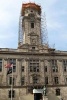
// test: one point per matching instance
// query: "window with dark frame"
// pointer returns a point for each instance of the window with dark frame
(10, 81)
(65, 68)
(54, 68)
(13, 93)
(0, 65)
(65, 65)
(46, 80)
(33, 48)
(34, 65)
(66, 80)
(45, 68)
(35, 79)
(54, 65)
(57, 92)
(22, 68)
(22, 80)
(32, 24)
(56, 81)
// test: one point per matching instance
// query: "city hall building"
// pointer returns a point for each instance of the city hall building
(35, 65)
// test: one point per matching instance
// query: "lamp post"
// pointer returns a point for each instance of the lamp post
(44, 92)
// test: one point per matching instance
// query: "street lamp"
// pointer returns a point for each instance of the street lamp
(44, 92)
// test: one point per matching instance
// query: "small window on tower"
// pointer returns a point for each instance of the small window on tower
(32, 25)
(33, 48)
(31, 10)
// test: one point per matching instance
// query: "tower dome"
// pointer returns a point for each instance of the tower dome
(30, 5)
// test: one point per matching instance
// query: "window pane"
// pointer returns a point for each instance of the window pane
(35, 79)
(45, 68)
(22, 68)
(0, 65)
(34, 65)
(32, 25)
(22, 81)
(56, 80)
(65, 65)
(54, 68)
(54, 62)
(46, 80)
(14, 68)
(13, 94)
(10, 80)
(33, 48)
(57, 92)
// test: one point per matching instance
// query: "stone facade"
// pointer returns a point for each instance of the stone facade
(34, 64)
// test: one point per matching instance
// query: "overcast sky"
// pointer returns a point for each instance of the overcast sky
(56, 20)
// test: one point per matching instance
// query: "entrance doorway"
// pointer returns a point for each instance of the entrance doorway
(37, 96)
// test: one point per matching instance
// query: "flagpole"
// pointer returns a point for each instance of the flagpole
(12, 84)
(8, 66)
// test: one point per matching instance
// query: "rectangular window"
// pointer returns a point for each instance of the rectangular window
(45, 68)
(22, 68)
(35, 79)
(10, 81)
(65, 65)
(57, 92)
(54, 65)
(32, 25)
(65, 68)
(65, 62)
(22, 80)
(55, 68)
(33, 48)
(54, 62)
(34, 65)
(66, 80)
(56, 80)
(0, 65)
(11, 94)
(37, 68)
(46, 80)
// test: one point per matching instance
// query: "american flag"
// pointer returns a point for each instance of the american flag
(9, 66)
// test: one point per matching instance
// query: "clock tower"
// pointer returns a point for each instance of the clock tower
(31, 24)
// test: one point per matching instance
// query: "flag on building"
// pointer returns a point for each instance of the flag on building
(9, 66)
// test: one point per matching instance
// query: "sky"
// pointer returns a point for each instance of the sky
(56, 22)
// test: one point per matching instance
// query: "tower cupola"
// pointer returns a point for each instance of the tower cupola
(31, 24)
